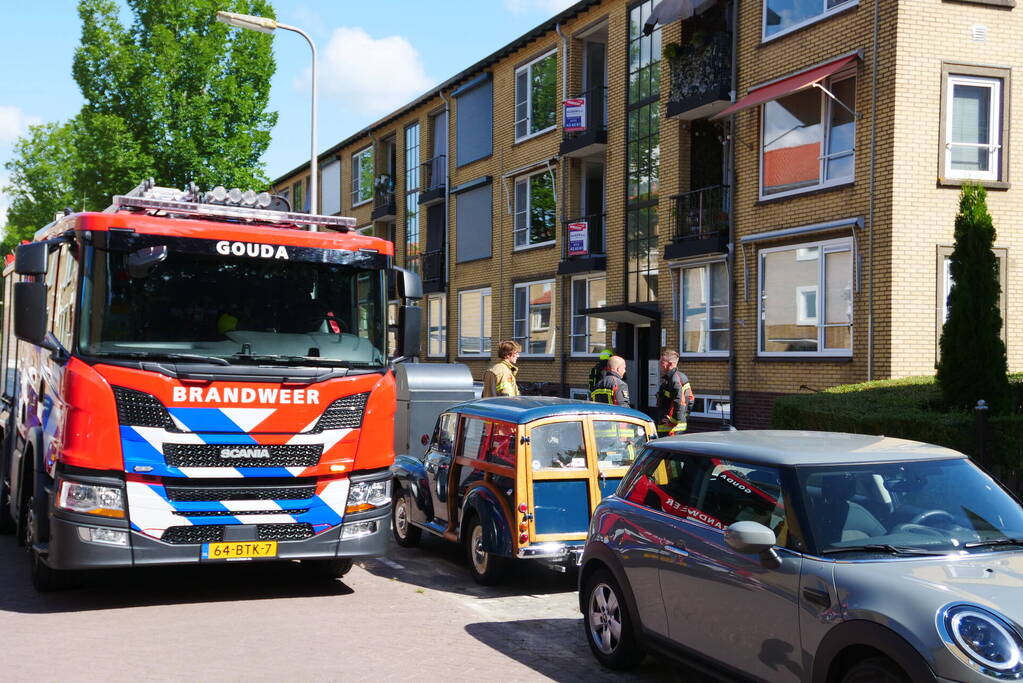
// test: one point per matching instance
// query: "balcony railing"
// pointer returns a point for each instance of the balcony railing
(435, 173)
(383, 198)
(701, 76)
(596, 111)
(700, 212)
(580, 242)
(433, 271)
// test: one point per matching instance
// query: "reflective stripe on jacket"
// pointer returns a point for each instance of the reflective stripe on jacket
(612, 390)
(499, 380)
(674, 400)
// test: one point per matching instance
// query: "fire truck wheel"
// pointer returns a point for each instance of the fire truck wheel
(44, 577)
(405, 534)
(486, 568)
(327, 570)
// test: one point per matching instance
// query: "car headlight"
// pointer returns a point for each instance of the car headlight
(366, 495)
(991, 643)
(90, 499)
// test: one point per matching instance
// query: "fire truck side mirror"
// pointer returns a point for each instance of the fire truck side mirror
(409, 284)
(30, 312)
(410, 321)
(30, 259)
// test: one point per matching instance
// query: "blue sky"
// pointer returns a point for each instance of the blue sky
(374, 57)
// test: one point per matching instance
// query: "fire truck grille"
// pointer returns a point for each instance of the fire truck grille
(232, 513)
(344, 413)
(214, 533)
(227, 455)
(194, 494)
(139, 409)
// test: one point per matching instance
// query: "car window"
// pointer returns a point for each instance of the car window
(558, 445)
(444, 434)
(729, 492)
(662, 482)
(472, 437)
(500, 448)
(618, 443)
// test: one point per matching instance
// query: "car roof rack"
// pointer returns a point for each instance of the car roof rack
(218, 203)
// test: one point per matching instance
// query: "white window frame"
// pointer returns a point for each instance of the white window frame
(527, 317)
(994, 147)
(430, 298)
(681, 308)
(526, 179)
(572, 315)
(822, 160)
(827, 12)
(528, 68)
(826, 247)
(481, 292)
(356, 167)
(706, 398)
(801, 309)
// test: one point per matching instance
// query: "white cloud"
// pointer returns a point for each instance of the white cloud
(14, 122)
(550, 7)
(371, 75)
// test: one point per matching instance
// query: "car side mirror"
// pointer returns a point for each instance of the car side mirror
(31, 259)
(30, 311)
(753, 538)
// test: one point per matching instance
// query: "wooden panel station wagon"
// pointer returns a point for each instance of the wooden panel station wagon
(516, 478)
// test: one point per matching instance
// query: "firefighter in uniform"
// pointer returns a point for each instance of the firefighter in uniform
(612, 389)
(598, 370)
(674, 397)
(499, 380)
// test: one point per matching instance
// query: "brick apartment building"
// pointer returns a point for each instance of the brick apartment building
(768, 186)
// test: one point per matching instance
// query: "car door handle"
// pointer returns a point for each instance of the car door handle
(817, 597)
(677, 551)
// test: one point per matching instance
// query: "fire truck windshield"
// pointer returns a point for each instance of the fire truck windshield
(193, 307)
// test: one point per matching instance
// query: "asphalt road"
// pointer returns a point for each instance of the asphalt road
(414, 615)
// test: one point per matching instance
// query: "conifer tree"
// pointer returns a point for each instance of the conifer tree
(973, 364)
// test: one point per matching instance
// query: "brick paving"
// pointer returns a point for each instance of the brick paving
(415, 615)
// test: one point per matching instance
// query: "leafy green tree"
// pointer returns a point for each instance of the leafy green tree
(973, 364)
(176, 94)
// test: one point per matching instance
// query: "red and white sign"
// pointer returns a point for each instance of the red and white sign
(578, 238)
(575, 114)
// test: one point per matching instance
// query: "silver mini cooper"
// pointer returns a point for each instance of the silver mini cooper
(808, 556)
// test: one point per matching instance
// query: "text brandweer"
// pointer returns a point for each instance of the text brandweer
(245, 395)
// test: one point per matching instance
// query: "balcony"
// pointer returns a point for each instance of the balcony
(582, 245)
(700, 222)
(435, 179)
(701, 75)
(384, 208)
(434, 278)
(591, 139)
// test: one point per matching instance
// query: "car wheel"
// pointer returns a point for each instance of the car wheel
(609, 630)
(486, 568)
(327, 570)
(405, 534)
(875, 670)
(45, 578)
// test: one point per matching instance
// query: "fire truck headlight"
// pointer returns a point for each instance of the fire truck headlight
(90, 499)
(366, 495)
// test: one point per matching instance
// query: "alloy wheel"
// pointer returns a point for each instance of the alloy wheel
(605, 618)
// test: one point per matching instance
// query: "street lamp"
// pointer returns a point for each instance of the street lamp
(265, 25)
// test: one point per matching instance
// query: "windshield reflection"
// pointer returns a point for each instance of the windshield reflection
(194, 306)
(938, 506)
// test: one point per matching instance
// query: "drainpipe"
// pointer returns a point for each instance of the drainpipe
(566, 321)
(873, 177)
(730, 178)
(447, 225)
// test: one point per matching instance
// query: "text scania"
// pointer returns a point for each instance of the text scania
(251, 250)
(246, 395)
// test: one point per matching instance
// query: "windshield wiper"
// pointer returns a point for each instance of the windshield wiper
(190, 357)
(882, 548)
(297, 360)
(994, 542)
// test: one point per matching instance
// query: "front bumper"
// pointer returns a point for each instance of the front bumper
(560, 553)
(67, 550)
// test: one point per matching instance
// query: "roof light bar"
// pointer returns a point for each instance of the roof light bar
(226, 211)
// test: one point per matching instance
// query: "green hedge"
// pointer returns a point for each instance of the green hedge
(906, 408)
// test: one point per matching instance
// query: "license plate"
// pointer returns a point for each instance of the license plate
(234, 551)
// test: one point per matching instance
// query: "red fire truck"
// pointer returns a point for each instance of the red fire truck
(199, 377)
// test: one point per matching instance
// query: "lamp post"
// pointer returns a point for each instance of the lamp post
(265, 25)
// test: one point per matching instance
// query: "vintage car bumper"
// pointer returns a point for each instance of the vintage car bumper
(551, 552)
